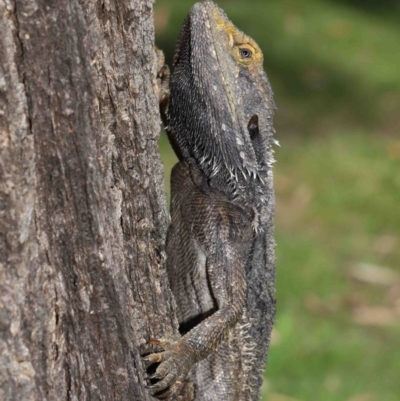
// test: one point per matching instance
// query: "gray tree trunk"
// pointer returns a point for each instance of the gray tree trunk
(82, 205)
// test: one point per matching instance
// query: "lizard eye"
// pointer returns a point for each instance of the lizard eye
(245, 53)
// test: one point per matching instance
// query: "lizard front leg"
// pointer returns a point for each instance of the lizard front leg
(226, 273)
(222, 231)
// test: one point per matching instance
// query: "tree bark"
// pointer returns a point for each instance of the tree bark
(82, 205)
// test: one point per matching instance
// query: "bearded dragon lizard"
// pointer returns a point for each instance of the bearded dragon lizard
(220, 245)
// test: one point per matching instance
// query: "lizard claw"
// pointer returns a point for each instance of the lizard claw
(162, 342)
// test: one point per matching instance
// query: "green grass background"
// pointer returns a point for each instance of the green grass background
(335, 70)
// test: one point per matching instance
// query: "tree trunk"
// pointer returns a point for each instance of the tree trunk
(82, 206)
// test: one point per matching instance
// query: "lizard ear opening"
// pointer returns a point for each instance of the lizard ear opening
(252, 126)
(255, 137)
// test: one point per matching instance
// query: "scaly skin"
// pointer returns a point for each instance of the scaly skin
(220, 246)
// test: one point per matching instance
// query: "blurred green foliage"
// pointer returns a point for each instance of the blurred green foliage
(335, 70)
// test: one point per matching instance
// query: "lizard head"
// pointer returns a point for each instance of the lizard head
(221, 103)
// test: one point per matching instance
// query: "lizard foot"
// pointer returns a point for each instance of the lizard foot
(174, 363)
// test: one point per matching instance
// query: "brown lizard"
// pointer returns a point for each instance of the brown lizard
(220, 245)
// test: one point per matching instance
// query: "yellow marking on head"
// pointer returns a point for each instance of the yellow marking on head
(224, 24)
(231, 40)
(239, 42)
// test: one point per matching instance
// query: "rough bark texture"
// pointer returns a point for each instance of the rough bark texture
(82, 205)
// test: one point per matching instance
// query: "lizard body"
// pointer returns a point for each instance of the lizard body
(220, 245)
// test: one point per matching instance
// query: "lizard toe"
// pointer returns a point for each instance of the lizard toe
(161, 372)
(163, 384)
(149, 360)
